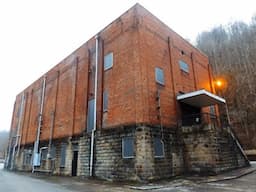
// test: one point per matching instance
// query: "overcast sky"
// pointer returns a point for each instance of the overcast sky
(36, 34)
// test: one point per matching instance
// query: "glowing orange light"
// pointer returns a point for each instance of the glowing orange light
(219, 83)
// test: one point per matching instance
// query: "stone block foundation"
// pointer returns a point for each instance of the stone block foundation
(155, 153)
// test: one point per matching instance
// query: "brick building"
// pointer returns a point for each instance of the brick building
(135, 102)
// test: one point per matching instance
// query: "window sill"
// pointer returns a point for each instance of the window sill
(159, 83)
(108, 68)
(158, 157)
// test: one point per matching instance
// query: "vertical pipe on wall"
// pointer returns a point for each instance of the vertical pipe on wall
(8, 159)
(51, 134)
(20, 121)
(102, 79)
(88, 85)
(17, 137)
(40, 119)
(193, 69)
(171, 60)
(74, 88)
(23, 128)
(29, 114)
(210, 78)
(95, 106)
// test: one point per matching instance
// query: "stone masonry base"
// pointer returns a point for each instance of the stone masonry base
(190, 150)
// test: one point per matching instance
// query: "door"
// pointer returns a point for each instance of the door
(74, 163)
(190, 115)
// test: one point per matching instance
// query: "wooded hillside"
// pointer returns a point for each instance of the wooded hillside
(4, 136)
(232, 53)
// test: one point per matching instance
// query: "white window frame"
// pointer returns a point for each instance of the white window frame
(156, 76)
(106, 57)
(186, 70)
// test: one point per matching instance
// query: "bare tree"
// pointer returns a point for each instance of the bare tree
(232, 54)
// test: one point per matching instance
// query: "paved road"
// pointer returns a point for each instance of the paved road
(11, 182)
(18, 182)
(27, 182)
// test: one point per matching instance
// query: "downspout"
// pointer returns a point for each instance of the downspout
(40, 118)
(20, 127)
(51, 134)
(95, 107)
(17, 137)
(7, 162)
(193, 69)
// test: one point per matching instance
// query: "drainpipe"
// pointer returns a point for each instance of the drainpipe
(17, 137)
(20, 118)
(40, 118)
(51, 133)
(95, 106)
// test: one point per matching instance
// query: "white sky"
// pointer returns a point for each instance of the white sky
(37, 34)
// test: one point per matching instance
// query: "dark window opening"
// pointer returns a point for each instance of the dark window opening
(128, 147)
(158, 147)
(105, 101)
(90, 115)
(63, 155)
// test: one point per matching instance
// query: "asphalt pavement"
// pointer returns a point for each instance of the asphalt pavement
(12, 182)
(242, 180)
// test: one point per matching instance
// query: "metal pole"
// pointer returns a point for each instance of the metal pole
(95, 106)
(227, 112)
(21, 113)
(51, 133)
(36, 144)
(18, 133)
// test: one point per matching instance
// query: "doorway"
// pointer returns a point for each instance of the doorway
(190, 114)
(74, 163)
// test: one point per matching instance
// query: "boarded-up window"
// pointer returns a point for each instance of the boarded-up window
(159, 74)
(128, 147)
(105, 101)
(90, 115)
(63, 155)
(108, 61)
(158, 147)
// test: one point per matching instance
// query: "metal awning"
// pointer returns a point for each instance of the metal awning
(201, 98)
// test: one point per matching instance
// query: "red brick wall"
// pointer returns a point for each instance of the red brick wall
(139, 42)
(163, 48)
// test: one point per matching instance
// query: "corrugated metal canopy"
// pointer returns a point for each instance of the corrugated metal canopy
(201, 98)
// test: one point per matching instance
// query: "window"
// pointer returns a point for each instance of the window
(63, 154)
(108, 61)
(184, 66)
(52, 152)
(159, 73)
(212, 110)
(128, 147)
(44, 154)
(105, 101)
(27, 157)
(90, 115)
(158, 147)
